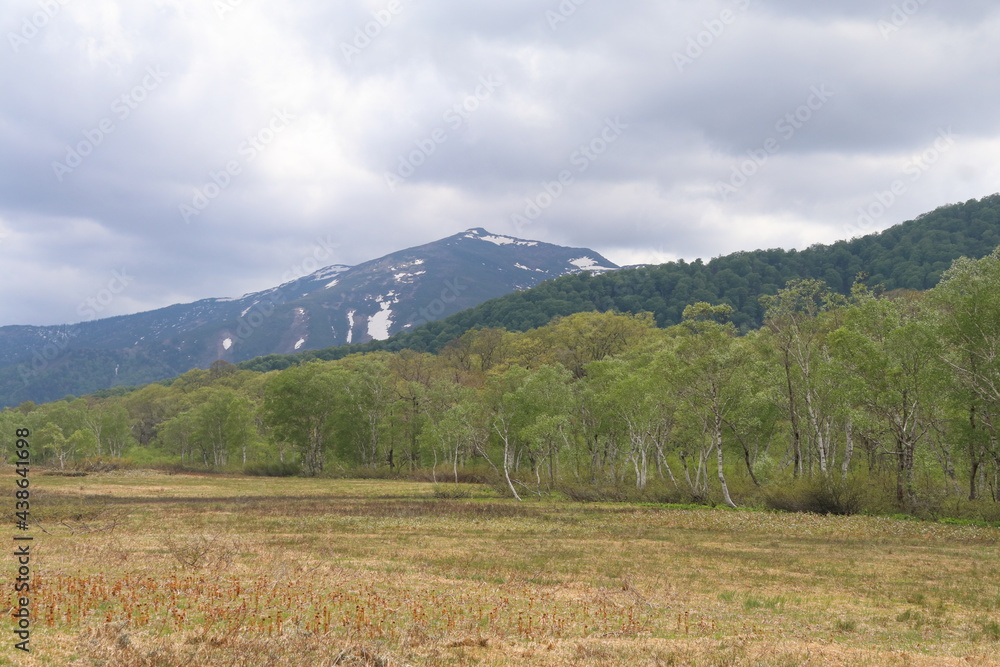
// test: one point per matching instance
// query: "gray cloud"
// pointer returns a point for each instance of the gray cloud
(487, 106)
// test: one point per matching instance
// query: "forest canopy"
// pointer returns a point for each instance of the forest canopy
(872, 400)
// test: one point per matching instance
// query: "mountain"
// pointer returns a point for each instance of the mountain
(333, 306)
(911, 255)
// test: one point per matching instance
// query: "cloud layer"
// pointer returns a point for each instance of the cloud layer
(205, 148)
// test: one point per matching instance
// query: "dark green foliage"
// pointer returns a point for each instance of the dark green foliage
(272, 469)
(909, 256)
(657, 494)
(820, 495)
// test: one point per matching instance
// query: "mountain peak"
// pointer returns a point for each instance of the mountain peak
(330, 306)
(480, 234)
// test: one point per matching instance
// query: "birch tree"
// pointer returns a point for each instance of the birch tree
(967, 302)
(892, 363)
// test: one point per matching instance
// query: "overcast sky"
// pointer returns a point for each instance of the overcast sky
(162, 151)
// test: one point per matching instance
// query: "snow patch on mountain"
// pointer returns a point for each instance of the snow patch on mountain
(329, 272)
(300, 343)
(405, 277)
(589, 264)
(481, 235)
(228, 343)
(522, 266)
(379, 323)
(506, 240)
(391, 297)
(350, 325)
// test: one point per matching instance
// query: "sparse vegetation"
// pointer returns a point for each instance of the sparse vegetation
(188, 569)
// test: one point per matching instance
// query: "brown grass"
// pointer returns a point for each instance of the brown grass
(146, 569)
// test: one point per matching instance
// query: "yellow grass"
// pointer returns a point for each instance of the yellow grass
(149, 569)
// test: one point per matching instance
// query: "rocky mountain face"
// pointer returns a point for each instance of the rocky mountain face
(332, 306)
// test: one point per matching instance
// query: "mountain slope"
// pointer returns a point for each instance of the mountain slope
(911, 255)
(333, 306)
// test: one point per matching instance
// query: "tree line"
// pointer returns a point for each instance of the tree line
(912, 255)
(878, 399)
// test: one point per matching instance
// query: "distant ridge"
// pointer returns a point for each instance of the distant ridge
(332, 306)
(911, 255)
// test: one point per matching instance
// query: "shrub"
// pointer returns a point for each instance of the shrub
(272, 469)
(452, 491)
(656, 493)
(817, 495)
(383, 472)
(102, 464)
(446, 474)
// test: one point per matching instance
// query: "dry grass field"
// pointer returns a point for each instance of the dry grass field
(152, 569)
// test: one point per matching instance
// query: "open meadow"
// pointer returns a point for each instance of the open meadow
(155, 569)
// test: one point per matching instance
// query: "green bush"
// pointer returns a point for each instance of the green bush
(446, 474)
(273, 469)
(362, 472)
(818, 495)
(103, 464)
(655, 493)
(452, 491)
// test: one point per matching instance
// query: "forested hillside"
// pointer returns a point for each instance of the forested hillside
(912, 255)
(327, 306)
(837, 403)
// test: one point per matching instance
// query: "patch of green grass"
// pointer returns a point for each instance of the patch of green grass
(991, 630)
(776, 603)
(846, 625)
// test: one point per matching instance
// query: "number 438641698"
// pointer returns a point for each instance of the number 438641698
(23, 461)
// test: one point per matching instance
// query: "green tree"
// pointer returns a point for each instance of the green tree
(54, 443)
(223, 425)
(457, 425)
(708, 372)
(893, 373)
(634, 393)
(968, 306)
(369, 398)
(300, 405)
(109, 422)
(798, 318)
